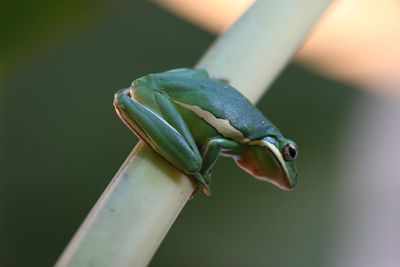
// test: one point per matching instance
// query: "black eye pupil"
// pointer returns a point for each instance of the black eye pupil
(292, 152)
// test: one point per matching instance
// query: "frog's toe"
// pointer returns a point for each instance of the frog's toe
(204, 182)
(207, 190)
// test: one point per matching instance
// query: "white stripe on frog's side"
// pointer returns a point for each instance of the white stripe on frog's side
(222, 126)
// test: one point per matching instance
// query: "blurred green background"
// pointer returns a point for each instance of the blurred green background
(61, 141)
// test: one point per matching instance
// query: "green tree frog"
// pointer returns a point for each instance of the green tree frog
(190, 119)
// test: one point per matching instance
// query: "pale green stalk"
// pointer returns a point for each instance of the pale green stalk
(135, 212)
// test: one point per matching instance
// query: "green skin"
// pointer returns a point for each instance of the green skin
(190, 119)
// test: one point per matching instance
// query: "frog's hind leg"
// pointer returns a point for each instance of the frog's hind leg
(119, 107)
(163, 107)
(157, 122)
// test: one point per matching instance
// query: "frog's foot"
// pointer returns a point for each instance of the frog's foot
(203, 182)
(206, 191)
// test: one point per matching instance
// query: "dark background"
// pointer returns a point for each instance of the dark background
(61, 141)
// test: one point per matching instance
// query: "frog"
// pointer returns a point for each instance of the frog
(191, 119)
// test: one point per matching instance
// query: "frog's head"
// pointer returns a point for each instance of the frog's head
(271, 159)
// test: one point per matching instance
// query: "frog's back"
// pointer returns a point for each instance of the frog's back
(222, 100)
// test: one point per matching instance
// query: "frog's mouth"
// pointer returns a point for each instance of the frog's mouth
(264, 161)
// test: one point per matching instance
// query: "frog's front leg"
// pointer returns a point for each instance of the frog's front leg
(213, 148)
(160, 125)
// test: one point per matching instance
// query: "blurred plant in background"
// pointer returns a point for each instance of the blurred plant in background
(61, 142)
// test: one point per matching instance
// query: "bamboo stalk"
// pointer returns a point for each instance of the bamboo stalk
(135, 212)
(256, 48)
(130, 219)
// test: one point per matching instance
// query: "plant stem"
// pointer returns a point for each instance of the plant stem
(135, 212)
(257, 47)
(130, 219)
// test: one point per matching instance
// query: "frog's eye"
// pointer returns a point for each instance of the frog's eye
(289, 152)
